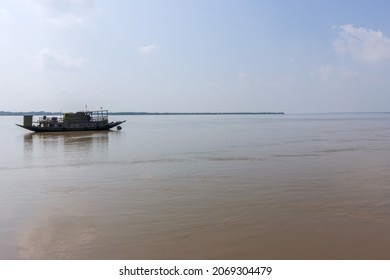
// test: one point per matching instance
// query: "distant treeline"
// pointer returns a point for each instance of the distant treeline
(39, 113)
(197, 113)
(42, 113)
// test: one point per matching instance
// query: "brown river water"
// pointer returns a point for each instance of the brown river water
(199, 187)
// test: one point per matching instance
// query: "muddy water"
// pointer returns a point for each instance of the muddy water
(199, 187)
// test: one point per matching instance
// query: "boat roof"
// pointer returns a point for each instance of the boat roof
(89, 112)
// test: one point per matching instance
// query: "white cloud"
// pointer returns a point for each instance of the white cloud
(67, 20)
(243, 76)
(362, 44)
(247, 83)
(55, 60)
(4, 14)
(68, 6)
(330, 73)
(147, 49)
(64, 12)
(214, 87)
(324, 73)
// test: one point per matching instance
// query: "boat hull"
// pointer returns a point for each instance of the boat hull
(63, 128)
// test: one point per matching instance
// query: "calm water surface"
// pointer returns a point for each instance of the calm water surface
(199, 187)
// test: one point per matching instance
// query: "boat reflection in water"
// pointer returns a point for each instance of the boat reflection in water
(79, 138)
(66, 147)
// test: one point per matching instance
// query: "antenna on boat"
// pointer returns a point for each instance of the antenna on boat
(86, 110)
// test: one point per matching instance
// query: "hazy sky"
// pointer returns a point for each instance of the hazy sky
(195, 56)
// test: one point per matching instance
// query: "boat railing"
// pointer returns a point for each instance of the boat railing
(99, 119)
(45, 119)
(60, 120)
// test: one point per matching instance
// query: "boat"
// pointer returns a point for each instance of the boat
(79, 121)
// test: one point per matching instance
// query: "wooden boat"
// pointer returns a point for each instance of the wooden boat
(79, 121)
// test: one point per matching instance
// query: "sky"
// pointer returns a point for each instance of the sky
(298, 56)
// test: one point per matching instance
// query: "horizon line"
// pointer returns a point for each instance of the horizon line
(21, 113)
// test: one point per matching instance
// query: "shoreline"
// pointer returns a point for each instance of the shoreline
(42, 113)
